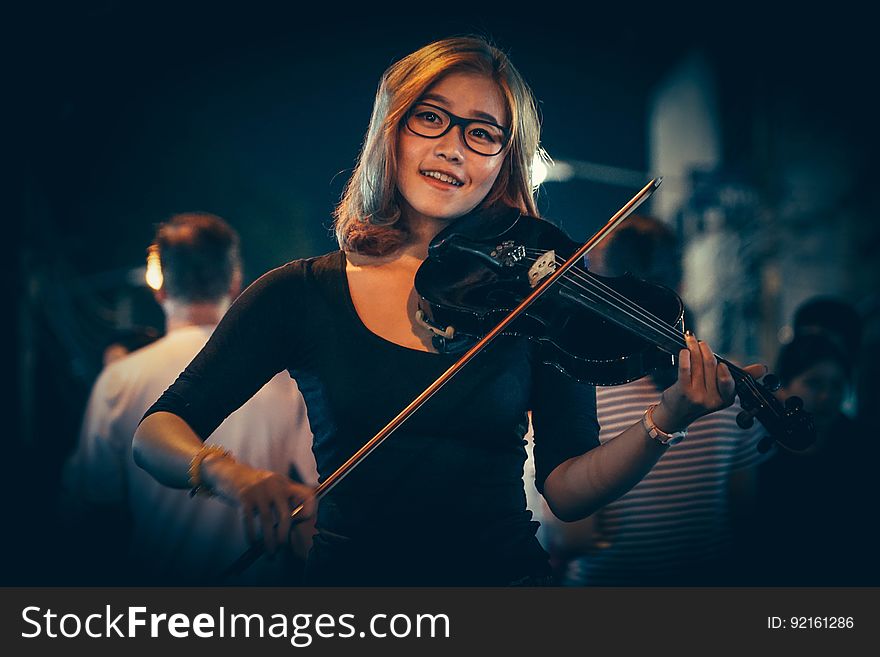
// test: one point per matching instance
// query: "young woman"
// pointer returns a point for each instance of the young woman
(454, 129)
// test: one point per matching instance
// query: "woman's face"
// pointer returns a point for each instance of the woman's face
(467, 95)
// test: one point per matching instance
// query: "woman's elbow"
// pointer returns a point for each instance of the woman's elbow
(146, 438)
(138, 446)
(568, 513)
(565, 504)
(564, 508)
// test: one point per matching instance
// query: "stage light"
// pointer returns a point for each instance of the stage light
(153, 276)
(539, 170)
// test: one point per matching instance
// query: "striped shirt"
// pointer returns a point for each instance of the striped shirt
(675, 523)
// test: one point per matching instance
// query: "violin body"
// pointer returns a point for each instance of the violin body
(478, 270)
(604, 331)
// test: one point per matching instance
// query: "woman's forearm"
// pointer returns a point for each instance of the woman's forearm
(586, 483)
(164, 445)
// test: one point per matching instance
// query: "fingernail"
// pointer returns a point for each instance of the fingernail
(688, 333)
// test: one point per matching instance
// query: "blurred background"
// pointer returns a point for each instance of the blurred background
(124, 114)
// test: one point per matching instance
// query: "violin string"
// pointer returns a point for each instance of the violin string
(628, 306)
(633, 310)
(648, 319)
(620, 302)
(625, 304)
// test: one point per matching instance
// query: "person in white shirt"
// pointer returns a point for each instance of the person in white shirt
(175, 538)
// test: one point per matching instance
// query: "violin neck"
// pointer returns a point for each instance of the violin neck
(666, 338)
(672, 345)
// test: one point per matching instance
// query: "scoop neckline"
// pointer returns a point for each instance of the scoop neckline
(349, 303)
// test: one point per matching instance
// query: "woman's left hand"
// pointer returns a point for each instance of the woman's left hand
(704, 386)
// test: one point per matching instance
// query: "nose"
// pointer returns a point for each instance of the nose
(451, 146)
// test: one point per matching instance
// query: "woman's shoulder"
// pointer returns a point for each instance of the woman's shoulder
(295, 272)
(290, 285)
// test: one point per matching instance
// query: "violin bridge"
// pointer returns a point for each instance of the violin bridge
(543, 267)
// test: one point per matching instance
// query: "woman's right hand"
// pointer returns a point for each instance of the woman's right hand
(266, 499)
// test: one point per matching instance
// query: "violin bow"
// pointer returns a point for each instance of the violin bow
(258, 548)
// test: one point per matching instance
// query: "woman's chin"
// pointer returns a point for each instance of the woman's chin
(441, 216)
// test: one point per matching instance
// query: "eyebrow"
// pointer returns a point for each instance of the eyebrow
(477, 114)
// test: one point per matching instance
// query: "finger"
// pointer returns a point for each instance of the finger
(267, 526)
(684, 367)
(310, 505)
(757, 370)
(303, 505)
(247, 517)
(299, 511)
(726, 384)
(698, 381)
(305, 496)
(710, 362)
(282, 503)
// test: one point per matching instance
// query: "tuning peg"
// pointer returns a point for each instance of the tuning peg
(794, 404)
(745, 419)
(771, 382)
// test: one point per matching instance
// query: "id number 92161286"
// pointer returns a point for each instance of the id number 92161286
(810, 623)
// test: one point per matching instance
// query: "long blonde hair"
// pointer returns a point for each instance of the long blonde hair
(367, 219)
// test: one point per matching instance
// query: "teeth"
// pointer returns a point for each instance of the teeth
(442, 177)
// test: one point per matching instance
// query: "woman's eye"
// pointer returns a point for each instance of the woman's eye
(428, 117)
(482, 135)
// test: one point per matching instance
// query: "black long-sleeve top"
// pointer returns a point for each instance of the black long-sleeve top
(441, 501)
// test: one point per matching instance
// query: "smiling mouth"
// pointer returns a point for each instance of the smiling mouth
(442, 177)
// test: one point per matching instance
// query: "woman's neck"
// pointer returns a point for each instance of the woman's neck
(421, 230)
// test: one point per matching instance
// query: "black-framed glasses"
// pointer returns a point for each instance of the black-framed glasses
(432, 122)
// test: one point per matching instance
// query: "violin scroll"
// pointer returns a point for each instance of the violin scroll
(788, 423)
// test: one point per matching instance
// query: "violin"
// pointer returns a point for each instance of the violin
(598, 330)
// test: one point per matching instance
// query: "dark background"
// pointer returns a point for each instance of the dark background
(125, 113)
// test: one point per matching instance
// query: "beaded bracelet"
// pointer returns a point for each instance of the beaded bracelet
(197, 486)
